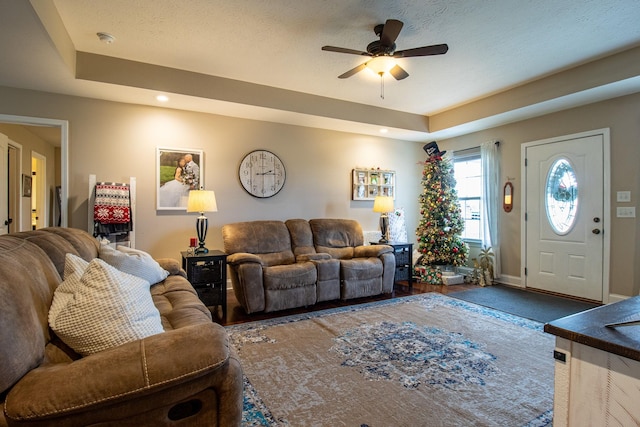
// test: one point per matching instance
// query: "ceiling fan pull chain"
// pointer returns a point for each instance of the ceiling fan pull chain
(382, 85)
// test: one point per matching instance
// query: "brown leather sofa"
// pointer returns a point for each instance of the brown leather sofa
(277, 265)
(186, 375)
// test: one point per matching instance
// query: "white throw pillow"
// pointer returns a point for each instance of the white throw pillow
(74, 268)
(98, 307)
(74, 265)
(133, 261)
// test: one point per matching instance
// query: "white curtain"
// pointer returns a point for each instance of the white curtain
(491, 200)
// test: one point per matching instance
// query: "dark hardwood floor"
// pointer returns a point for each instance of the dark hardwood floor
(235, 313)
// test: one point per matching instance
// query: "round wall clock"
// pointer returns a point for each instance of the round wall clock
(262, 173)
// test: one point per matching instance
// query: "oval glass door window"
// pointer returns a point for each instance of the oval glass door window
(561, 196)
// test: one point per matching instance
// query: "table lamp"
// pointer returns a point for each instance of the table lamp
(202, 201)
(383, 205)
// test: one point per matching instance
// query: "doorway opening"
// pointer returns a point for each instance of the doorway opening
(39, 192)
(14, 185)
(13, 182)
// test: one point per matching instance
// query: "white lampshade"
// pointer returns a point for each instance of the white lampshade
(202, 201)
(383, 204)
(381, 64)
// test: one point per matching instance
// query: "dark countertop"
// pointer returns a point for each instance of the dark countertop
(588, 328)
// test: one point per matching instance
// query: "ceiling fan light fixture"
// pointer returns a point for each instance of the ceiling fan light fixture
(381, 64)
(383, 52)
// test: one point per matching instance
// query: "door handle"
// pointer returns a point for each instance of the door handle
(596, 231)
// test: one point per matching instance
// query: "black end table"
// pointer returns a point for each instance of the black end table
(404, 261)
(208, 275)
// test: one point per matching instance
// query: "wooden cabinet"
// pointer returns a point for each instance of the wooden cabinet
(594, 387)
(597, 368)
(366, 184)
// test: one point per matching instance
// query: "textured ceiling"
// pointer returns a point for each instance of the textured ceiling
(494, 45)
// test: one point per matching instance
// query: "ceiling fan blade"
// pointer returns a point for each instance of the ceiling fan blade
(352, 71)
(398, 72)
(390, 32)
(345, 50)
(436, 49)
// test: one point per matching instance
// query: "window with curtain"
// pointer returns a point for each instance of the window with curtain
(468, 173)
(477, 173)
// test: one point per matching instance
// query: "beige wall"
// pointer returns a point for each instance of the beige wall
(115, 141)
(620, 115)
(30, 142)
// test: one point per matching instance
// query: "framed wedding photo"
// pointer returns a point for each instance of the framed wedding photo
(179, 170)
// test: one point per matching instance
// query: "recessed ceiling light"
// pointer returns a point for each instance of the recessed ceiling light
(106, 37)
(384, 130)
(162, 98)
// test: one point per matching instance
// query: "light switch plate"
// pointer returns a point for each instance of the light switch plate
(626, 212)
(623, 196)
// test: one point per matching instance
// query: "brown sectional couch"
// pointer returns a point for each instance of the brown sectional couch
(186, 375)
(276, 265)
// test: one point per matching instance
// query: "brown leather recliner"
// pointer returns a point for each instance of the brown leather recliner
(365, 270)
(264, 272)
(187, 375)
(276, 265)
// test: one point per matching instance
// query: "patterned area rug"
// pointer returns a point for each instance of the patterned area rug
(425, 360)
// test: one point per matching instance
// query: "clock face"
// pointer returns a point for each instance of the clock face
(262, 173)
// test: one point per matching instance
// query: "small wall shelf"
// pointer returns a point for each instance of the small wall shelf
(366, 184)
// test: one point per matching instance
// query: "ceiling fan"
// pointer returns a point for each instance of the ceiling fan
(386, 47)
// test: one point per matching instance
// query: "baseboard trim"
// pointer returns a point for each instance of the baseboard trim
(617, 298)
(515, 281)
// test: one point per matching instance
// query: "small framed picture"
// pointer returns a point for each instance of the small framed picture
(179, 171)
(26, 185)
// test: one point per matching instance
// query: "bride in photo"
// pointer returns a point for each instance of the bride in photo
(174, 193)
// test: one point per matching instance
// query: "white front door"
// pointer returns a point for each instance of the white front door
(564, 215)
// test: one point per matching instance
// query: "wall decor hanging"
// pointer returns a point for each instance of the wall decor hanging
(179, 170)
(26, 185)
(366, 184)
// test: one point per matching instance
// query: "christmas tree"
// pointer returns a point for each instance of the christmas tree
(439, 229)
